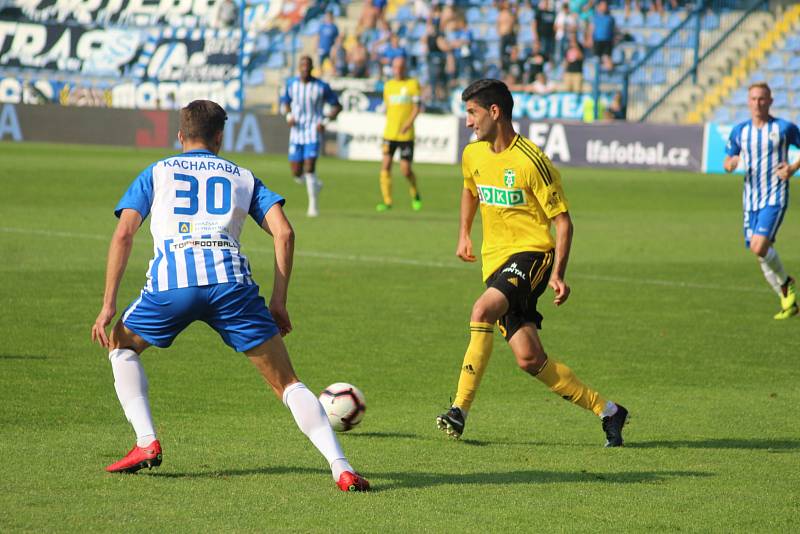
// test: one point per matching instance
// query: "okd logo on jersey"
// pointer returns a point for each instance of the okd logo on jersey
(497, 196)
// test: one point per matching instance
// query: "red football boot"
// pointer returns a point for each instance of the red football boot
(352, 482)
(138, 458)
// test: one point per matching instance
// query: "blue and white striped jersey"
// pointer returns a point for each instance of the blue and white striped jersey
(761, 150)
(307, 101)
(198, 202)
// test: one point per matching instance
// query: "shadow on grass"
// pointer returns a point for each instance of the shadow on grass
(783, 444)
(392, 435)
(394, 480)
(21, 357)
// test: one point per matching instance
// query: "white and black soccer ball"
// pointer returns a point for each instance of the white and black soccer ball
(345, 405)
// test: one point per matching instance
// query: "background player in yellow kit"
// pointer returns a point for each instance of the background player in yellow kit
(519, 192)
(401, 99)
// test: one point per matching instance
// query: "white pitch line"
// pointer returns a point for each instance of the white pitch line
(392, 260)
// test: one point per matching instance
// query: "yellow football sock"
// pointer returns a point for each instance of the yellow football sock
(386, 187)
(475, 361)
(412, 185)
(562, 381)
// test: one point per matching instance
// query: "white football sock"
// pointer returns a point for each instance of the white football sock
(773, 271)
(313, 422)
(312, 188)
(609, 409)
(130, 382)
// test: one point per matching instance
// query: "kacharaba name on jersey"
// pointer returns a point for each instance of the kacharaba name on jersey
(200, 164)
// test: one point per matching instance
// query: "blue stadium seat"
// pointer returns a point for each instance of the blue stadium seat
(474, 16)
(710, 21)
(674, 20)
(525, 34)
(793, 43)
(654, 39)
(675, 58)
(492, 50)
(490, 33)
(653, 20)
(775, 61)
(636, 20)
(777, 82)
(417, 32)
(525, 16)
(794, 63)
(739, 97)
(491, 15)
(404, 14)
(721, 114)
(780, 99)
(276, 60)
(311, 27)
(795, 83)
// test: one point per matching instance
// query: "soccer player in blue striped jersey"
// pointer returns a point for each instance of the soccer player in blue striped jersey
(198, 203)
(303, 101)
(762, 144)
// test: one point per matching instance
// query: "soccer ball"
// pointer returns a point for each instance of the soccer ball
(345, 405)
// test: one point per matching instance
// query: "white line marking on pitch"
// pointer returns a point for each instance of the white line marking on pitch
(358, 258)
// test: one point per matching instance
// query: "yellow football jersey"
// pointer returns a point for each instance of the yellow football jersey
(520, 192)
(399, 97)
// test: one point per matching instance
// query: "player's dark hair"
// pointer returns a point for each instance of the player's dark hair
(488, 92)
(202, 120)
(306, 58)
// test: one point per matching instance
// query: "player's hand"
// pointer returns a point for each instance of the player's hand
(405, 129)
(464, 250)
(281, 316)
(784, 171)
(561, 290)
(730, 163)
(99, 327)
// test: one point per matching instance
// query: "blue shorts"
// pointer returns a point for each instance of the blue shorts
(301, 152)
(765, 221)
(236, 311)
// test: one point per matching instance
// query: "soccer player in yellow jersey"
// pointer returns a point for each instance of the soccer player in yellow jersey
(519, 193)
(401, 98)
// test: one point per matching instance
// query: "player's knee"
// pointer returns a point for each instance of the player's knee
(533, 362)
(759, 247)
(482, 313)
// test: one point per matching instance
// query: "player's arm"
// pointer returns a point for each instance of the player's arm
(564, 230)
(118, 253)
(730, 163)
(469, 206)
(415, 110)
(732, 150)
(277, 225)
(786, 170)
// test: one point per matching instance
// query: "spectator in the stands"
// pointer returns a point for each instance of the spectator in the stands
(541, 85)
(358, 60)
(602, 33)
(422, 9)
(391, 51)
(615, 111)
(537, 62)
(566, 24)
(459, 55)
(371, 13)
(585, 10)
(436, 48)
(514, 66)
(338, 56)
(544, 27)
(328, 33)
(573, 66)
(506, 28)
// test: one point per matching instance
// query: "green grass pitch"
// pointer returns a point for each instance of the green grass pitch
(669, 315)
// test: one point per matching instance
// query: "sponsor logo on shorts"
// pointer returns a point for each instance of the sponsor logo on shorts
(514, 281)
(513, 269)
(498, 196)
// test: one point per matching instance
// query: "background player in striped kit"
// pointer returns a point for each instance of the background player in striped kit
(519, 193)
(303, 102)
(198, 203)
(762, 143)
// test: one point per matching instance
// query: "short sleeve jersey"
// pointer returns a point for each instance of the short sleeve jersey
(762, 150)
(400, 97)
(307, 101)
(520, 192)
(197, 203)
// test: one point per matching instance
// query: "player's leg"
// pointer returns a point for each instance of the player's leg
(241, 317)
(386, 176)
(296, 162)
(153, 319)
(406, 157)
(491, 305)
(761, 229)
(561, 380)
(313, 184)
